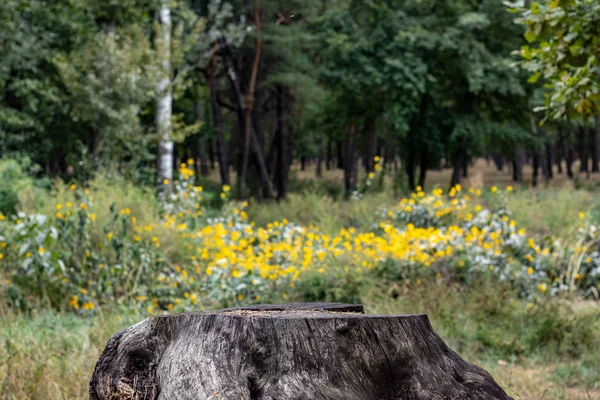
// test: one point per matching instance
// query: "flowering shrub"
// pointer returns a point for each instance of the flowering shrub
(73, 260)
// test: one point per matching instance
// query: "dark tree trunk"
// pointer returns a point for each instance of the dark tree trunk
(350, 161)
(409, 167)
(582, 150)
(371, 146)
(535, 165)
(499, 161)
(218, 124)
(211, 153)
(518, 161)
(329, 154)
(458, 163)
(202, 154)
(281, 143)
(302, 163)
(286, 352)
(569, 162)
(246, 126)
(548, 173)
(340, 154)
(595, 145)
(423, 165)
(559, 151)
(319, 172)
(290, 144)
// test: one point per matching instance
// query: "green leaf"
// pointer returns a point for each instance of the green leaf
(534, 78)
(530, 35)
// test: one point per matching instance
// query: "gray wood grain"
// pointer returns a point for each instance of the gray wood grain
(322, 351)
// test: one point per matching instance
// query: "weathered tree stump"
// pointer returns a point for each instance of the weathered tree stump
(324, 351)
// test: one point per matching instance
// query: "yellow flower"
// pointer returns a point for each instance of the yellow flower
(92, 217)
(1, 256)
(69, 204)
(83, 206)
(494, 189)
(371, 175)
(150, 309)
(581, 215)
(542, 287)
(165, 181)
(59, 215)
(530, 271)
(109, 236)
(88, 306)
(376, 158)
(41, 250)
(223, 195)
(59, 206)
(74, 302)
(190, 161)
(72, 187)
(509, 189)
(83, 291)
(226, 188)
(240, 297)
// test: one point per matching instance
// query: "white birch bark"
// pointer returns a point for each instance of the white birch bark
(164, 101)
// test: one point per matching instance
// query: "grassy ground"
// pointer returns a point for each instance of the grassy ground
(534, 351)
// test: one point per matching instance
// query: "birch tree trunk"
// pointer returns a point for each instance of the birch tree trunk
(164, 101)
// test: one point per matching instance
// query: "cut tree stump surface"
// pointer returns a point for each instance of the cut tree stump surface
(321, 351)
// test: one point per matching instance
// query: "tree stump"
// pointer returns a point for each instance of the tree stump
(312, 351)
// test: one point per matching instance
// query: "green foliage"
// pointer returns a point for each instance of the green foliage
(563, 49)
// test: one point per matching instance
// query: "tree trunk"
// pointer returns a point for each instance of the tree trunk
(595, 145)
(242, 119)
(559, 151)
(409, 167)
(340, 155)
(350, 161)
(499, 161)
(535, 165)
(548, 173)
(202, 154)
(582, 150)
(569, 162)
(281, 142)
(218, 124)
(371, 146)
(518, 161)
(329, 154)
(423, 165)
(323, 351)
(458, 164)
(211, 153)
(302, 163)
(319, 172)
(164, 101)
(250, 103)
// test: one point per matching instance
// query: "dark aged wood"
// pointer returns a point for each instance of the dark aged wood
(320, 351)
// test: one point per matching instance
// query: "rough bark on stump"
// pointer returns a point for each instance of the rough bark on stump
(311, 351)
